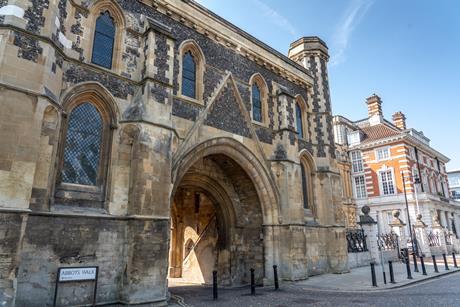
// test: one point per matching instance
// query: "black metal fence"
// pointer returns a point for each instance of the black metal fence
(388, 241)
(433, 239)
(356, 240)
(449, 237)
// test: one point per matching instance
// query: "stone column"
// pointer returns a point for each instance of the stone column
(422, 237)
(369, 225)
(439, 230)
(397, 226)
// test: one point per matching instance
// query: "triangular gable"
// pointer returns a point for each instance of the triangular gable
(226, 111)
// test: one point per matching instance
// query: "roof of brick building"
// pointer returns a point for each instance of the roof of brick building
(378, 132)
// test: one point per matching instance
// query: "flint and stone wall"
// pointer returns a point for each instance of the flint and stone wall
(45, 62)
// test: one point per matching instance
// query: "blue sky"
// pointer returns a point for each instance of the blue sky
(404, 51)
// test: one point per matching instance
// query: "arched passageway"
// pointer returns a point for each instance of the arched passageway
(216, 224)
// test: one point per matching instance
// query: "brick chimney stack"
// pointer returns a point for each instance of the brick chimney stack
(374, 106)
(399, 120)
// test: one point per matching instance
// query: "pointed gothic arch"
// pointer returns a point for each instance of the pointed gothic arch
(308, 182)
(191, 81)
(112, 10)
(259, 99)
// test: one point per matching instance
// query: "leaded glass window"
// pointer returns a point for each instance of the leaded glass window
(104, 39)
(298, 116)
(304, 186)
(82, 149)
(256, 104)
(189, 75)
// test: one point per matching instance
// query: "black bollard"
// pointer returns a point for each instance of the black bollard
(423, 266)
(414, 256)
(374, 279)
(392, 276)
(253, 283)
(409, 273)
(435, 264)
(275, 276)
(455, 260)
(446, 266)
(214, 285)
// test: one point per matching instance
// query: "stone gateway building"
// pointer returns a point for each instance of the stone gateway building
(156, 140)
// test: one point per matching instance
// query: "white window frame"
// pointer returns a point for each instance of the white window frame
(356, 158)
(393, 182)
(377, 158)
(361, 189)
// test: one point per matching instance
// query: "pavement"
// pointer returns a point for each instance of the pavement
(349, 289)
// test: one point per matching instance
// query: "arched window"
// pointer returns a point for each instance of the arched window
(298, 118)
(305, 187)
(307, 182)
(189, 75)
(82, 149)
(104, 40)
(256, 103)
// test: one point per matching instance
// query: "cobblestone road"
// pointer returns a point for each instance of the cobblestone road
(443, 291)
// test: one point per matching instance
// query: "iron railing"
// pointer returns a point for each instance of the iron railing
(448, 235)
(433, 239)
(388, 241)
(356, 240)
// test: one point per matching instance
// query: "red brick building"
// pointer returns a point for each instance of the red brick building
(381, 154)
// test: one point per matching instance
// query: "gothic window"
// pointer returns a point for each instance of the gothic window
(256, 103)
(82, 149)
(189, 75)
(299, 123)
(104, 40)
(304, 187)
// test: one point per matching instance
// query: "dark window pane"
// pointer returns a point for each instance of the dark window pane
(189, 75)
(104, 38)
(304, 187)
(256, 104)
(298, 116)
(83, 146)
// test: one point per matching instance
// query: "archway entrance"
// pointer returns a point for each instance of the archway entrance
(216, 224)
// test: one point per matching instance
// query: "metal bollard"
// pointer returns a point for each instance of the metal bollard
(435, 264)
(392, 276)
(446, 266)
(423, 266)
(253, 283)
(409, 273)
(414, 256)
(275, 276)
(374, 279)
(455, 260)
(214, 285)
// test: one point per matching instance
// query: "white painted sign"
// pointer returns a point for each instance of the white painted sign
(76, 274)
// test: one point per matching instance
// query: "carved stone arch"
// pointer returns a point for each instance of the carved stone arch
(116, 12)
(258, 173)
(258, 79)
(97, 94)
(97, 194)
(192, 46)
(255, 189)
(307, 163)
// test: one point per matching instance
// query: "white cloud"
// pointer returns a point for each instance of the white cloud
(276, 18)
(351, 18)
